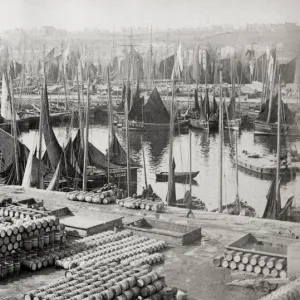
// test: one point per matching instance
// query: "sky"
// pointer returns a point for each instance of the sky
(109, 14)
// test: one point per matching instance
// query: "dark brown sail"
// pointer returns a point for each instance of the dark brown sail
(54, 150)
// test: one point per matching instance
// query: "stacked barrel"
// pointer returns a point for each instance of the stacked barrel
(29, 239)
(290, 291)
(113, 281)
(96, 196)
(122, 247)
(141, 204)
(109, 266)
(249, 262)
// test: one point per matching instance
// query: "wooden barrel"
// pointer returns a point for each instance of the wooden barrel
(254, 259)
(17, 266)
(106, 200)
(28, 244)
(262, 261)
(3, 270)
(41, 241)
(46, 239)
(218, 260)
(34, 242)
(271, 263)
(274, 273)
(249, 268)
(241, 266)
(9, 231)
(10, 268)
(229, 255)
(57, 237)
(257, 269)
(96, 199)
(282, 274)
(280, 264)
(238, 257)
(232, 265)
(89, 197)
(266, 271)
(29, 264)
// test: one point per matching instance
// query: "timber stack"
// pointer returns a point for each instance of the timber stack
(250, 262)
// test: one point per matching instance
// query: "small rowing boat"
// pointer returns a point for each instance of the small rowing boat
(178, 176)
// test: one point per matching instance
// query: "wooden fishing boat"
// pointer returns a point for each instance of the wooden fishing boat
(141, 126)
(178, 176)
(233, 124)
(264, 128)
(210, 125)
(199, 124)
(264, 166)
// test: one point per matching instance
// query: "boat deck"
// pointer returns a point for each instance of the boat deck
(265, 165)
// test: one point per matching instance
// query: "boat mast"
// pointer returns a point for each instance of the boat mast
(126, 124)
(64, 77)
(86, 140)
(109, 125)
(271, 91)
(14, 125)
(278, 201)
(221, 144)
(170, 199)
(78, 97)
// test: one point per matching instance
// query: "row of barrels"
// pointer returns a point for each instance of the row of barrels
(259, 264)
(109, 282)
(20, 226)
(17, 236)
(116, 253)
(21, 212)
(100, 250)
(87, 245)
(151, 259)
(104, 197)
(290, 291)
(40, 241)
(141, 204)
(32, 260)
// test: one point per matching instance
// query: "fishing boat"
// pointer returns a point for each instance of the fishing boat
(266, 122)
(273, 209)
(264, 166)
(230, 121)
(178, 176)
(151, 114)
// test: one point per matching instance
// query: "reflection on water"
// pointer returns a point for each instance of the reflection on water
(205, 158)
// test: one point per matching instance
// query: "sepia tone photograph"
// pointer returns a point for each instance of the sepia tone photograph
(149, 150)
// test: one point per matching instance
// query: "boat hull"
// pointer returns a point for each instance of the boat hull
(140, 126)
(179, 176)
(204, 125)
(263, 128)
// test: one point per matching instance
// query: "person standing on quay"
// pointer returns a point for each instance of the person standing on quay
(189, 203)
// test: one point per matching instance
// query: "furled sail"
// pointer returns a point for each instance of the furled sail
(206, 108)
(27, 177)
(53, 148)
(231, 109)
(197, 107)
(171, 194)
(271, 206)
(53, 185)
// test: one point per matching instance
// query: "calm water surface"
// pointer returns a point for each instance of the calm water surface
(205, 159)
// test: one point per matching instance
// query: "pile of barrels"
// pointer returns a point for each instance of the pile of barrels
(106, 282)
(96, 196)
(29, 239)
(249, 262)
(122, 247)
(146, 204)
(290, 291)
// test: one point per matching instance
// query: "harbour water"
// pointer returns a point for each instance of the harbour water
(205, 159)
